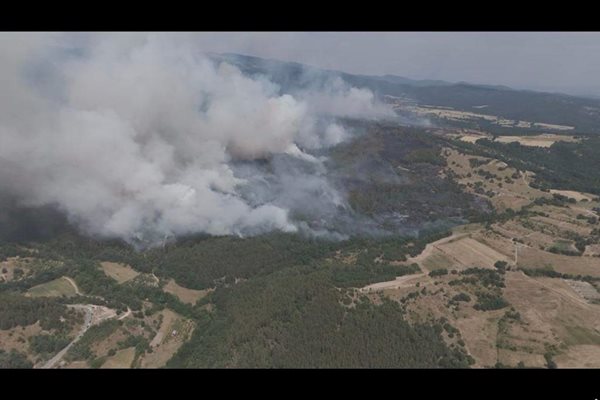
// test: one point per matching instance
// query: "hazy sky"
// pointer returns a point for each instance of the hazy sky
(555, 61)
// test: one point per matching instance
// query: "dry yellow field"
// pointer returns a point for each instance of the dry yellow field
(438, 260)
(119, 272)
(468, 252)
(545, 140)
(579, 356)
(122, 359)
(473, 138)
(534, 258)
(186, 295)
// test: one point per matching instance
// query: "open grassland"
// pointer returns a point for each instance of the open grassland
(119, 272)
(472, 253)
(186, 295)
(438, 260)
(574, 265)
(56, 288)
(122, 359)
(545, 140)
(579, 356)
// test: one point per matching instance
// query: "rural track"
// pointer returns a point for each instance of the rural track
(72, 282)
(433, 245)
(402, 281)
(127, 314)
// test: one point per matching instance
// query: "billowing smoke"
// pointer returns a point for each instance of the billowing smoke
(142, 137)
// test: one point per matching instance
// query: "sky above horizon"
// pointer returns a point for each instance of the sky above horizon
(566, 62)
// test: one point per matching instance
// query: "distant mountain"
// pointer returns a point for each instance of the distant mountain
(551, 108)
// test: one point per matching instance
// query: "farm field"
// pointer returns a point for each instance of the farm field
(189, 296)
(545, 140)
(173, 332)
(122, 359)
(119, 272)
(56, 288)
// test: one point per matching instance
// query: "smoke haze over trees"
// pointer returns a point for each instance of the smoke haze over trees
(142, 137)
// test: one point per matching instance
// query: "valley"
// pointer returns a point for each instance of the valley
(342, 221)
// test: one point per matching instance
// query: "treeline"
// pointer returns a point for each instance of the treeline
(200, 262)
(97, 286)
(369, 167)
(194, 262)
(14, 359)
(293, 318)
(550, 273)
(48, 344)
(361, 274)
(570, 166)
(17, 310)
(82, 349)
(375, 256)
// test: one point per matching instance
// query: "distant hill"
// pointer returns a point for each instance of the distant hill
(552, 108)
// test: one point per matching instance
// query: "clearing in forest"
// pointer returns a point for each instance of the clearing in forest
(186, 295)
(119, 272)
(56, 288)
(122, 359)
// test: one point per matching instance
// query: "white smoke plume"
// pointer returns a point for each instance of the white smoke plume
(135, 136)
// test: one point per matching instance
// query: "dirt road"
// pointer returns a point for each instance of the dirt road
(408, 280)
(401, 281)
(433, 245)
(72, 282)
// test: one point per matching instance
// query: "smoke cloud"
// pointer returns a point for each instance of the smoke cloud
(141, 137)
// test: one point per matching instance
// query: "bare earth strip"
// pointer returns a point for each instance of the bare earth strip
(546, 140)
(401, 281)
